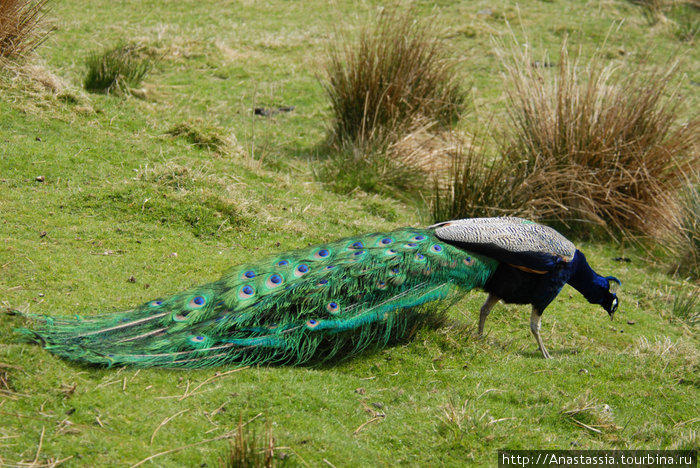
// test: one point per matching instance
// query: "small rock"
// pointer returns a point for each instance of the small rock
(174, 254)
(38, 138)
(41, 294)
(42, 234)
(583, 371)
(131, 279)
(378, 405)
(631, 322)
(360, 391)
(40, 178)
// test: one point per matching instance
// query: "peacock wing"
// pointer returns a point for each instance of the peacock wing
(511, 240)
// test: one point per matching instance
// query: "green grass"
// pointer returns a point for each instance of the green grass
(122, 196)
(117, 70)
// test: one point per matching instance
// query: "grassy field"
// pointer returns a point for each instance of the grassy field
(108, 201)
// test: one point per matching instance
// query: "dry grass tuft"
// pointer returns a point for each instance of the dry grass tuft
(247, 451)
(479, 182)
(588, 413)
(395, 71)
(602, 152)
(604, 147)
(21, 28)
(663, 351)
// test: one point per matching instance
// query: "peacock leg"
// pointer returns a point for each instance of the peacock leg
(535, 318)
(486, 310)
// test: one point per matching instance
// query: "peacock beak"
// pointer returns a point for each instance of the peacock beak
(613, 308)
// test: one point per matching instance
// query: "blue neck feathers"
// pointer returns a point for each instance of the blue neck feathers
(594, 287)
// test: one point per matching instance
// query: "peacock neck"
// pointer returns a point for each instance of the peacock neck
(586, 281)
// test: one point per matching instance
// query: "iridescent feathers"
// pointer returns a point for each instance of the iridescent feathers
(296, 307)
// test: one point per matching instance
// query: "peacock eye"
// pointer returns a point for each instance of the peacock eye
(436, 248)
(357, 245)
(197, 302)
(282, 263)
(274, 280)
(312, 323)
(419, 238)
(387, 240)
(246, 292)
(249, 274)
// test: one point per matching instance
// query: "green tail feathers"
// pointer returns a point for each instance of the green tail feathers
(303, 305)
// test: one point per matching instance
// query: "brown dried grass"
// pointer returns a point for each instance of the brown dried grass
(608, 147)
(587, 149)
(396, 70)
(21, 26)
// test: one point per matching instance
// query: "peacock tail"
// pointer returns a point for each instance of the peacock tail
(303, 305)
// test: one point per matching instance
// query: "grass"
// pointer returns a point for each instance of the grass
(607, 150)
(687, 242)
(247, 450)
(22, 27)
(122, 197)
(396, 71)
(392, 83)
(581, 153)
(117, 70)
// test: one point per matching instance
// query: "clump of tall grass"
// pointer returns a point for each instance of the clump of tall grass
(653, 10)
(247, 451)
(682, 15)
(687, 243)
(395, 71)
(686, 18)
(393, 90)
(605, 146)
(21, 26)
(686, 306)
(117, 70)
(605, 151)
(479, 182)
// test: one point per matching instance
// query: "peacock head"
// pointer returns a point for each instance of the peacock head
(610, 301)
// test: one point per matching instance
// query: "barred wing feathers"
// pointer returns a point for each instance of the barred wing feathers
(511, 240)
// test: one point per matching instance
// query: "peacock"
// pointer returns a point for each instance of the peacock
(334, 299)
